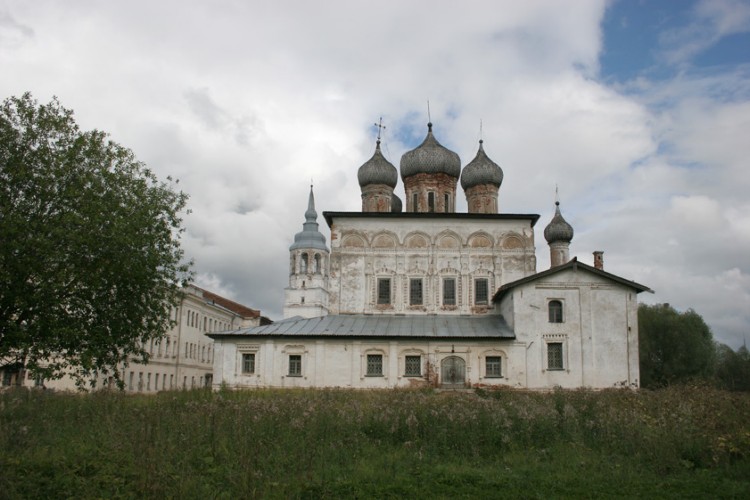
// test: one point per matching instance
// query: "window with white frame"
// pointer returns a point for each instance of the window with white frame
(555, 356)
(374, 365)
(248, 362)
(384, 291)
(413, 366)
(449, 291)
(295, 365)
(493, 366)
(481, 291)
(415, 292)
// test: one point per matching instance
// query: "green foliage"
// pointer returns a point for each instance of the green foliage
(676, 442)
(733, 368)
(90, 261)
(674, 347)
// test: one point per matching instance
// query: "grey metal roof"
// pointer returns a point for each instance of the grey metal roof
(430, 157)
(377, 170)
(558, 229)
(572, 264)
(329, 216)
(310, 237)
(481, 170)
(382, 325)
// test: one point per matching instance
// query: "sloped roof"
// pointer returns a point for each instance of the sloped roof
(244, 311)
(572, 264)
(382, 326)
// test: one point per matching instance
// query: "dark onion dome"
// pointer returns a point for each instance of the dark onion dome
(396, 205)
(481, 170)
(558, 230)
(310, 237)
(377, 170)
(430, 157)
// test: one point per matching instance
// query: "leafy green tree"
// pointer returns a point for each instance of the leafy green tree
(90, 259)
(674, 347)
(733, 368)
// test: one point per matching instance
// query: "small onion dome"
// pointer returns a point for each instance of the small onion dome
(558, 230)
(377, 170)
(396, 205)
(430, 157)
(481, 170)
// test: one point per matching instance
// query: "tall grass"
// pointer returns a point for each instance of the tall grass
(333, 443)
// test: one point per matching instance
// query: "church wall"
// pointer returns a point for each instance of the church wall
(598, 334)
(342, 362)
(366, 249)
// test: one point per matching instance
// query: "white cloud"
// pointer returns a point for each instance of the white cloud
(246, 102)
(711, 21)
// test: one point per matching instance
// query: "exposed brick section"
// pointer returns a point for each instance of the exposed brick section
(376, 198)
(482, 199)
(422, 184)
(599, 260)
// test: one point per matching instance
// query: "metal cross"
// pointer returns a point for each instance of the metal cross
(380, 126)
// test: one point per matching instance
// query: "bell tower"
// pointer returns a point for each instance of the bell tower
(307, 293)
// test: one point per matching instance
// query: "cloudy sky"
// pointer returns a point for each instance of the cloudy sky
(638, 110)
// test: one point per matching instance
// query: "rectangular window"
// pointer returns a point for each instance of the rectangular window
(374, 365)
(295, 365)
(430, 202)
(415, 203)
(481, 288)
(449, 291)
(248, 363)
(493, 366)
(415, 291)
(384, 291)
(413, 366)
(447, 203)
(555, 356)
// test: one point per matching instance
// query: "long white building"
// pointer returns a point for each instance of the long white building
(428, 296)
(182, 359)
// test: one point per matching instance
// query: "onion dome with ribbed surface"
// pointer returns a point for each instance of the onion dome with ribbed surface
(310, 237)
(558, 230)
(481, 170)
(430, 157)
(396, 205)
(377, 170)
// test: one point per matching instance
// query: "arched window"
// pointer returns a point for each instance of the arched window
(555, 311)
(303, 263)
(316, 268)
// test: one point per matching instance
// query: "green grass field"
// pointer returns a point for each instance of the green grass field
(674, 443)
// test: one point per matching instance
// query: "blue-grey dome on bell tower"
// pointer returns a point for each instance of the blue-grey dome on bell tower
(310, 236)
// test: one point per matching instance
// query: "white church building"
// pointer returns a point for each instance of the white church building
(426, 296)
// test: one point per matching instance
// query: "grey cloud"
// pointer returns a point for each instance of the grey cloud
(13, 33)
